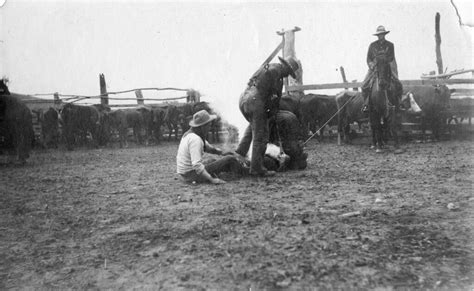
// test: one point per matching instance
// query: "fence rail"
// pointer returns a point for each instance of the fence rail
(404, 82)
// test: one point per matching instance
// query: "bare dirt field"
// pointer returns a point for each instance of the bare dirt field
(120, 219)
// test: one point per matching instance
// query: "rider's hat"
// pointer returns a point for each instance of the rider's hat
(381, 30)
(291, 63)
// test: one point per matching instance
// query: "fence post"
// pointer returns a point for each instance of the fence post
(56, 101)
(104, 97)
(289, 51)
(139, 95)
(343, 75)
(355, 88)
(439, 59)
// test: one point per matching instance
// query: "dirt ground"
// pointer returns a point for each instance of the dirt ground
(120, 219)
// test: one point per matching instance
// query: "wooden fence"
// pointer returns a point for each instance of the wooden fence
(404, 82)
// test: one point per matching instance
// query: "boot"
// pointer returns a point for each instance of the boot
(365, 97)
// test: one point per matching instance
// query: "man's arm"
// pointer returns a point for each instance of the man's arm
(208, 148)
(370, 57)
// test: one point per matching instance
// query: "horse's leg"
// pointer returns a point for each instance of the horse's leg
(376, 131)
(347, 136)
(396, 129)
(339, 128)
(423, 128)
(321, 133)
(372, 132)
(176, 130)
(379, 137)
(170, 131)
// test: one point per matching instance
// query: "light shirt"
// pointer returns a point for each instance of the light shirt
(190, 153)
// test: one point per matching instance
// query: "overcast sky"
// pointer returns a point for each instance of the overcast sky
(214, 47)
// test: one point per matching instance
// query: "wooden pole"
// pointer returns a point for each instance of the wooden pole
(139, 95)
(289, 51)
(343, 75)
(439, 60)
(104, 97)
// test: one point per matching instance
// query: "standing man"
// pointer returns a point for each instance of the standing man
(258, 103)
(380, 48)
(193, 144)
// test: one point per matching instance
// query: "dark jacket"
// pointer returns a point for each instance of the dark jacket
(380, 49)
(269, 84)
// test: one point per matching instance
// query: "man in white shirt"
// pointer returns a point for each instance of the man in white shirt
(193, 144)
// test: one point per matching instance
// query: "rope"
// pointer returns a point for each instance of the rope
(334, 115)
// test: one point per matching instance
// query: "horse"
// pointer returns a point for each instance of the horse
(384, 106)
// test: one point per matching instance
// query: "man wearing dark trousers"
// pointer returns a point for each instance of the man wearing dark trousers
(257, 104)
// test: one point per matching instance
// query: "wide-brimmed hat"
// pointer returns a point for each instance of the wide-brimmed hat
(291, 63)
(201, 118)
(381, 30)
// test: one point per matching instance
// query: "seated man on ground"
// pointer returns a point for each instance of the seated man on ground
(189, 160)
(285, 128)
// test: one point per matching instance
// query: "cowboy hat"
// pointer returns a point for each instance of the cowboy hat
(291, 63)
(381, 30)
(201, 118)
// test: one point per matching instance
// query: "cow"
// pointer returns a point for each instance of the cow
(316, 110)
(158, 119)
(118, 122)
(434, 103)
(16, 126)
(349, 105)
(78, 122)
(103, 129)
(215, 124)
(185, 115)
(49, 122)
(147, 122)
(135, 120)
(291, 102)
(172, 120)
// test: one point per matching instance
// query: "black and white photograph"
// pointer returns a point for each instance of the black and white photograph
(236, 145)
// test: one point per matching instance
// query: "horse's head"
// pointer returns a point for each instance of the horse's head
(383, 72)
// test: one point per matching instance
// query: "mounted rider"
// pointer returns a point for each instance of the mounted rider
(379, 49)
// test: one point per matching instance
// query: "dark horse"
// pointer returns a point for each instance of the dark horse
(384, 105)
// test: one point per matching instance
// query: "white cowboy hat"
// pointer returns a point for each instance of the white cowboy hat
(201, 118)
(381, 30)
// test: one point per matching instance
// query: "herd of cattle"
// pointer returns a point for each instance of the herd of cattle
(97, 125)
(100, 125)
(424, 104)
